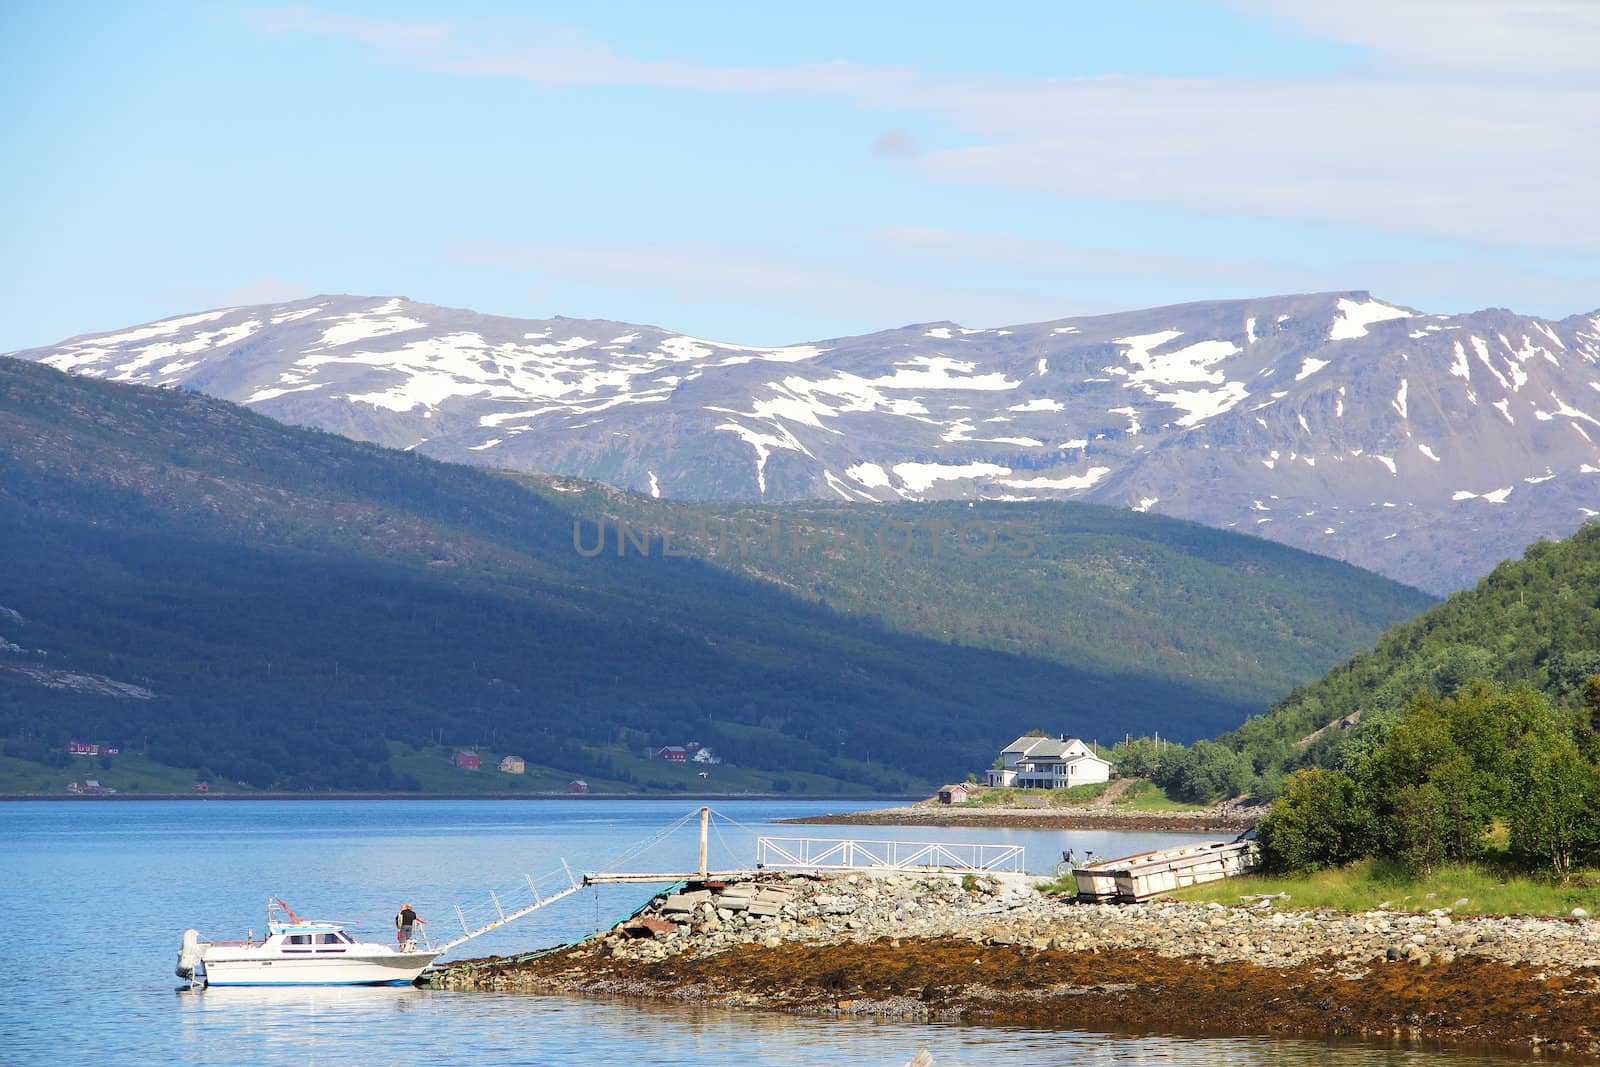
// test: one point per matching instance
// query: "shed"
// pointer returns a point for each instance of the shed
(953, 794)
(467, 761)
(578, 785)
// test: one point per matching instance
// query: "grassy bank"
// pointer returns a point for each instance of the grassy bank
(1466, 889)
(1137, 794)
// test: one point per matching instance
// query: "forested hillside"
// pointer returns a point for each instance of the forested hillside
(1095, 587)
(284, 607)
(1533, 621)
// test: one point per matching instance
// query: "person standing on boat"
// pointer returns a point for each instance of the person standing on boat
(404, 920)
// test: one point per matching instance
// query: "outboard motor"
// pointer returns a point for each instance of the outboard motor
(189, 956)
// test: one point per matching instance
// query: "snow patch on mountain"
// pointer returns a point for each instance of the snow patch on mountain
(1354, 317)
(1309, 366)
(1086, 480)
(1037, 404)
(919, 477)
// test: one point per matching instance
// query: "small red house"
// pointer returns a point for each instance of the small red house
(674, 753)
(467, 761)
(953, 794)
(578, 785)
(201, 787)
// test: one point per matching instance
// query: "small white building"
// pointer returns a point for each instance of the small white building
(1048, 763)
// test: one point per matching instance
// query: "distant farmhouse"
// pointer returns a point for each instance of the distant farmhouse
(513, 765)
(1048, 763)
(693, 751)
(467, 761)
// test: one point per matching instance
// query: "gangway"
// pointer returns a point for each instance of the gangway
(511, 902)
(508, 903)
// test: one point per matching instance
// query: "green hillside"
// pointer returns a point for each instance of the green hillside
(1098, 588)
(1534, 622)
(219, 593)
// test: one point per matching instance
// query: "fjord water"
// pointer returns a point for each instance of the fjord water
(97, 894)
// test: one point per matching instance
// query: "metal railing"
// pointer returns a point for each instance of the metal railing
(831, 854)
(510, 902)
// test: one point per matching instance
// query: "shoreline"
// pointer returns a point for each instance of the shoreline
(1222, 819)
(554, 795)
(995, 951)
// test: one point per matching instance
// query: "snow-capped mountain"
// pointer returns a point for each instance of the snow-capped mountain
(1426, 447)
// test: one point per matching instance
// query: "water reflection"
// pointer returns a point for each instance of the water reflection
(97, 896)
(424, 1027)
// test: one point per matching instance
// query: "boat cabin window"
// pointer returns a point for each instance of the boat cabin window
(297, 939)
(332, 939)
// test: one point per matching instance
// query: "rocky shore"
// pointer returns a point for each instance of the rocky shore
(1229, 816)
(998, 950)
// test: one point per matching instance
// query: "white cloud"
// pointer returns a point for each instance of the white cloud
(1470, 120)
(1478, 36)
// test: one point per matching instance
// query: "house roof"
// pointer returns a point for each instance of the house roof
(1035, 758)
(1041, 747)
(1050, 748)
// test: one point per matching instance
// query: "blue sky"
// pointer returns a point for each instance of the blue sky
(766, 175)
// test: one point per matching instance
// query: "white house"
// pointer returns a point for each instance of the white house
(1048, 763)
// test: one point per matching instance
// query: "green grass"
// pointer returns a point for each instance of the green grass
(1144, 795)
(1371, 884)
(1008, 797)
(435, 772)
(1140, 795)
(129, 773)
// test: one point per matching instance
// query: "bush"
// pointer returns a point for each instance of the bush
(1316, 823)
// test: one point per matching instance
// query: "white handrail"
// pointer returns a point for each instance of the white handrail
(827, 853)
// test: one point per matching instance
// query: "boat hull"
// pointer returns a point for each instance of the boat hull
(246, 968)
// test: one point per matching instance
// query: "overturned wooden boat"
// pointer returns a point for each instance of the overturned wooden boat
(1148, 874)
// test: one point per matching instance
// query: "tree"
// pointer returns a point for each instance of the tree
(1554, 793)
(1429, 800)
(1137, 757)
(1316, 823)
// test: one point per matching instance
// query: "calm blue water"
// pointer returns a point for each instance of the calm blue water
(96, 896)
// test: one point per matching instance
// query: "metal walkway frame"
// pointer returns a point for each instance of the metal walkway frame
(512, 902)
(834, 854)
(508, 903)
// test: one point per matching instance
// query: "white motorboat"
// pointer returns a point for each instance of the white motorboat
(300, 951)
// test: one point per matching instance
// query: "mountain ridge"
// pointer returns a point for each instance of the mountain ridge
(296, 604)
(1426, 447)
